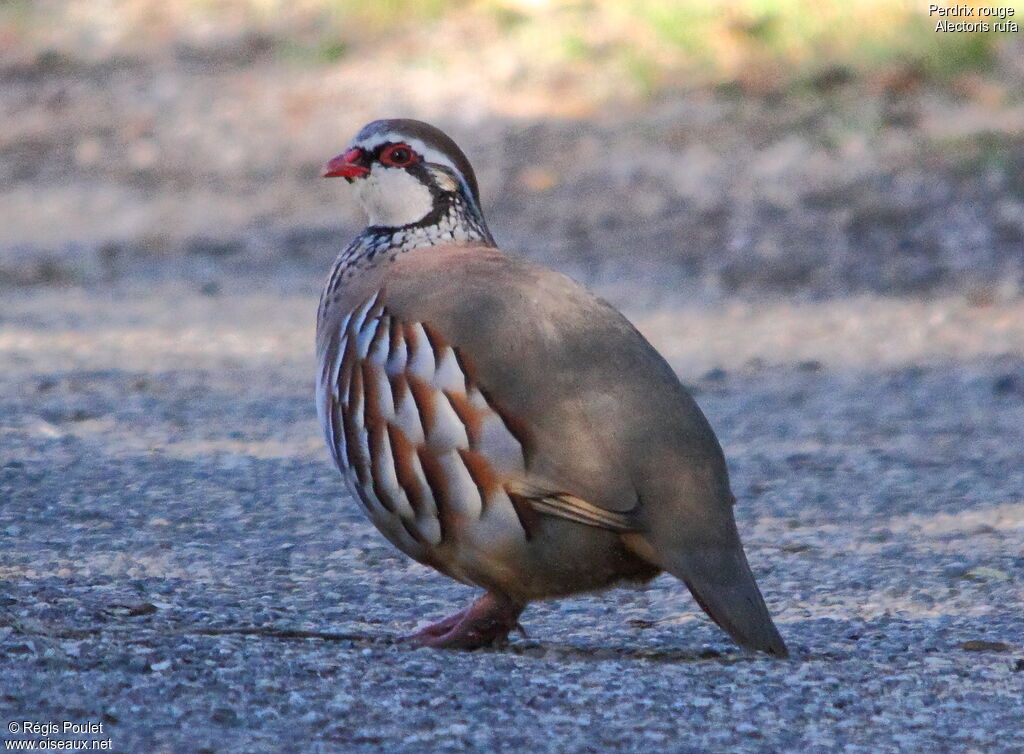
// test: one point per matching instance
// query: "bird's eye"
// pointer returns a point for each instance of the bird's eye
(397, 155)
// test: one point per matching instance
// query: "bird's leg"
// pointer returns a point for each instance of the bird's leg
(436, 629)
(489, 619)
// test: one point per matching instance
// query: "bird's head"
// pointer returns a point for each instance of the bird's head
(408, 173)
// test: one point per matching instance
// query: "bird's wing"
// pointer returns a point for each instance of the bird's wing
(595, 409)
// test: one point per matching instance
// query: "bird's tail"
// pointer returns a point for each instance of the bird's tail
(721, 581)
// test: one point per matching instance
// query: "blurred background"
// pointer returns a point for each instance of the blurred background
(673, 147)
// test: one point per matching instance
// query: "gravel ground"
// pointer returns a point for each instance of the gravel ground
(179, 562)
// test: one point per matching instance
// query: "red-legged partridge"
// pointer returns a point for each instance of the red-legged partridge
(502, 424)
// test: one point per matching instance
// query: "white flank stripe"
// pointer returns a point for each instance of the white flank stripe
(421, 362)
(463, 493)
(339, 441)
(343, 327)
(396, 533)
(357, 316)
(363, 459)
(331, 378)
(498, 444)
(407, 418)
(365, 336)
(499, 529)
(332, 382)
(388, 479)
(447, 375)
(397, 358)
(424, 489)
(381, 388)
(448, 431)
(477, 401)
(378, 353)
(429, 528)
(376, 509)
(353, 402)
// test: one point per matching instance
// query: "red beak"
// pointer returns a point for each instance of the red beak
(345, 165)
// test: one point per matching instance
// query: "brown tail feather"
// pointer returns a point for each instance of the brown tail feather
(721, 582)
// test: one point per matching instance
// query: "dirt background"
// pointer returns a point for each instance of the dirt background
(834, 263)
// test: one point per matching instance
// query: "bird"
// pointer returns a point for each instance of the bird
(500, 423)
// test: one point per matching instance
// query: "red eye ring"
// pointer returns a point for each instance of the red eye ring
(398, 156)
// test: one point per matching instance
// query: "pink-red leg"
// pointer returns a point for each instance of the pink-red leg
(437, 629)
(488, 620)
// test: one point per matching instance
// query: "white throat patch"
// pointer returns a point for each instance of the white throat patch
(392, 197)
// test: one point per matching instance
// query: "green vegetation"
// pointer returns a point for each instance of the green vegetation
(646, 45)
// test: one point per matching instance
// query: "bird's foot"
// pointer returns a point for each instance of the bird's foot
(488, 620)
